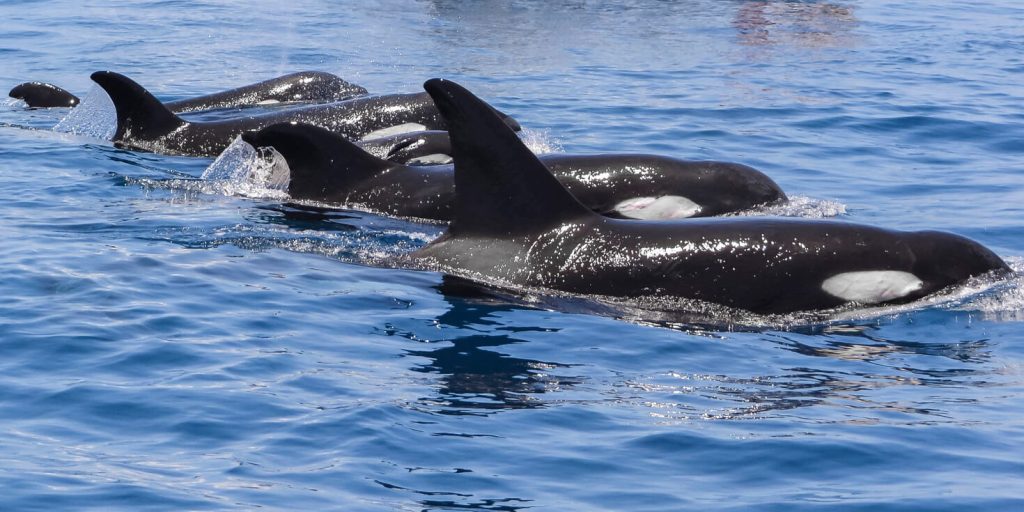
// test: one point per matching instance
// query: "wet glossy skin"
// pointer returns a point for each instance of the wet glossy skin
(516, 226)
(597, 181)
(301, 87)
(304, 86)
(405, 147)
(144, 123)
(43, 95)
(761, 265)
(352, 119)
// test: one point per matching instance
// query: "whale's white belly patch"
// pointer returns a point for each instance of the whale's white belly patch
(395, 130)
(872, 286)
(658, 208)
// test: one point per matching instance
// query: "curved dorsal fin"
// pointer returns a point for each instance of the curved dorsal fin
(501, 188)
(140, 116)
(320, 161)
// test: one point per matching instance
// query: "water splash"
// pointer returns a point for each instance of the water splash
(242, 170)
(798, 206)
(95, 116)
(1005, 303)
(540, 141)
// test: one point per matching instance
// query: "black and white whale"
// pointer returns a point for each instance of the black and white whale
(145, 123)
(515, 225)
(303, 86)
(426, 147)
(326, 167)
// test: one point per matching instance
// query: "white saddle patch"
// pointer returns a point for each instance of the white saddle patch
(432, 159)
(394, 130)
(658, 208)
(872, 286)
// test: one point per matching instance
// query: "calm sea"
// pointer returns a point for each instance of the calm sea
(168, 345)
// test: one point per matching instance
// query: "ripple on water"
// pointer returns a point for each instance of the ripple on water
(173, 337)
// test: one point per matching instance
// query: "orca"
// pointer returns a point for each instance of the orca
(325, 167)
(43, 95)
(146, 124)
(514, 225)
(304, 86)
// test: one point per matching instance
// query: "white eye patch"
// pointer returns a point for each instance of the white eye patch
(395, 130)
(657, 208)
(872, 286)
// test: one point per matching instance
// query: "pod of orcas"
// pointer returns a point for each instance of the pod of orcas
(143, 122)
(303, 86)
(606, 225)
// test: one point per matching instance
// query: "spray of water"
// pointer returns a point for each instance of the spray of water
(95, 116)
(540, 141)
(242, 170)
(798, 206)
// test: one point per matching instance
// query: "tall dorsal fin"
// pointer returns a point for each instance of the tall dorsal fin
(140, 116)
(501, 188)
(320, 161)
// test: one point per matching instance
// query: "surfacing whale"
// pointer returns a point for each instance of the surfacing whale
(326, 167)
(515, 225)
(145, 123)
(303, 86)
(43, 95)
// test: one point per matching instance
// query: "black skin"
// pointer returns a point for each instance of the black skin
(145, 123)
(43, 95)
(326, 167)
(515, 225)
(301, 87)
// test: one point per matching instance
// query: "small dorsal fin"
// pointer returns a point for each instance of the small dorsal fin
(140, 116)
(500, 185)
(39, 94)
(320, 161)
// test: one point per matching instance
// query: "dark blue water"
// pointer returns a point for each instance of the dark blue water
(169, 345)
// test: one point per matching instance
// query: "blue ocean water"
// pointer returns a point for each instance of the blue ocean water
(170, 345)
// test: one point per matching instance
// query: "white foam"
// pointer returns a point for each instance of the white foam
(540, 141)
(95, 116)
(798, 206)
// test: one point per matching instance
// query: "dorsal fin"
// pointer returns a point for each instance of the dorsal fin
(500, 185)
(39, 94)
(140, 116)
(320, 161)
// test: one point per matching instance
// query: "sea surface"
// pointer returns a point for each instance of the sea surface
(170, 341)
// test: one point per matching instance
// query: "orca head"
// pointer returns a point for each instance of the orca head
(318, 85)
(944, 259)
(748, 187)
